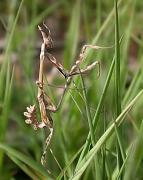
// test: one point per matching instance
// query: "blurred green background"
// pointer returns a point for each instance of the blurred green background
(72, 23)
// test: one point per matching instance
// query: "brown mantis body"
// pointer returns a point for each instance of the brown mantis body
(45, 104)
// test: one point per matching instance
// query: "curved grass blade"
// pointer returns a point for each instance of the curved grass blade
(91, 128)
(6, 108)
(69, 164)
(126, 45)
(135, 84)
(4, 68)
(87, 143)
(88, 158)
(37, 167)
(23, 167)
(99, 108)
(135, 160)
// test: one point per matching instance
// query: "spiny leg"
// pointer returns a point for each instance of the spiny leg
(68, 75)
(75, 71)
(75, 68)
(47, 143)
(87, 69)
(82, 55)
(54, 62)
(69, 80)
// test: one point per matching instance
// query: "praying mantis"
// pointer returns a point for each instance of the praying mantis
(46, 106)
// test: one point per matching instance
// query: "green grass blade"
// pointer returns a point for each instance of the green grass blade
(135, 159)
(89, 118)
(119, 146)
(101, 30)
(23, 167)
(37, 167)
(126, 46)
(7, 51)
(72, 36)
(91, 128)
(123, 167)
(135, 84)
(98, 14)
(88, 158)
(69, 164)
(86, 22)
(6, 109)
(117, 64)
(99, 108)
(6, 102)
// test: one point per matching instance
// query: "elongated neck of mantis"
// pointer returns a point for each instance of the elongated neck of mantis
(42, 57)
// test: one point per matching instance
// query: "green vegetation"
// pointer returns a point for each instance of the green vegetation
(98, 130)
